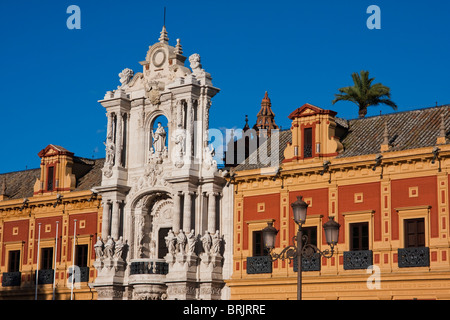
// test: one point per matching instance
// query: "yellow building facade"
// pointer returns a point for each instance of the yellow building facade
(48, 228)
(384, 180)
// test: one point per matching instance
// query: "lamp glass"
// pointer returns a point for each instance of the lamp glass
(331, 229)
(269, 235)
(299, 208)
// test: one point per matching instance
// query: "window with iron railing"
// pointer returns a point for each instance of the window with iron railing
(415, 253)
(359, 256)
(307, 143)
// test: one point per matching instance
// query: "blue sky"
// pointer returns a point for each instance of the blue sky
(298, 51)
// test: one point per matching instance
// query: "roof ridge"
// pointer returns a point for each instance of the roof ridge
(400, 112)
(17, 171)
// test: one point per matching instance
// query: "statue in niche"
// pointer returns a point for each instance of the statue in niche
(141, 228)
(178, 150)
(159, 139)
(171, 241)
(181, 241)
(98, 247)
(109, 248)
(206, 241)
(192, 242)
(110, 152)
(216, 243)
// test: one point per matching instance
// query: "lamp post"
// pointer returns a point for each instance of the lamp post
(301, 250)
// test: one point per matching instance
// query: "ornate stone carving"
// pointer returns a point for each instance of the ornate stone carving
(181, 242)
(110, 155)
(178, 137)
(192, 242)
(119, 249)
(209, 153)
(206, 242)
(171, 242)
(109, 248)
(195, 61)
(98, 247)
(125, 77)
(216, 243)
(154, 176)
(153, 90)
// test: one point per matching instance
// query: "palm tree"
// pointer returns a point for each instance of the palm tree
(364, 94)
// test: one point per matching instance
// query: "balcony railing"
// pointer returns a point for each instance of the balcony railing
(257, 265)
(45, 276)
(311, 264)
(414, 257)
(354, 260)
(83, 276)
(11, 279)
(149, 267)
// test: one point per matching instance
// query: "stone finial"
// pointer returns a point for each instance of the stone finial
(3, 188)
(385, 144)
(164, 36)
(265, 117)
(178, 47)
(441, 139)
(3, 195)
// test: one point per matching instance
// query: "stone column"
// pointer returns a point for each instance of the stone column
(115, 220)
(179, 109)
(105, 219)
(119, 138)
(212, 212)
(187, 211)
(189, 129)
(109, 133)
(176, 212)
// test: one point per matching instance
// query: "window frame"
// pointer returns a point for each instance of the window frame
(418, 244)
(415, 212)
(362, 233)
(309, 129)
(358, 217)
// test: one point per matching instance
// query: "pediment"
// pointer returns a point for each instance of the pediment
(52, 150)
(308, 110)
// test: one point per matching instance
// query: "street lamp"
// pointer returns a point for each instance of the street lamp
(301, 250)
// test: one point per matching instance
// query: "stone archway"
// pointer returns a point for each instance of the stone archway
(153, 210)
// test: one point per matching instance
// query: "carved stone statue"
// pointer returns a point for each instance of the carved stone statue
(153, 91)
(216, 243)
(109, 248)
(119, 246)
(152, 249)
(110, 152)
(125, 77)
(171, 241)
(192, 241)
(206, 241)
(178, 150)
(181, 241)
(98, 247)
(159, 139)
(141, 230)
(196, 66)
(209, 157)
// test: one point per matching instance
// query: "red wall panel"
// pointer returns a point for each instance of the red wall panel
(371, 200)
